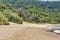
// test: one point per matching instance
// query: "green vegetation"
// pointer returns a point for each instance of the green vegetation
(3, 20)
(7, 14)
(23, 3)
(40, 15)
(13, 17)
(31, 11)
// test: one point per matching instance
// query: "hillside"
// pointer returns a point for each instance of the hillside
(33, 11)
(28, 19)
(23, 3)
(7, 14)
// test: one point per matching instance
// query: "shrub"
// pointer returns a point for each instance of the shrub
(53, 21)
(3, 20)
(13, 17)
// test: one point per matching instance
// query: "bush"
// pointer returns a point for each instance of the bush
(3, 20)
(53, 22)
(13, 17)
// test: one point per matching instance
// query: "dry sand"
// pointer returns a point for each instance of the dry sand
(27, 31)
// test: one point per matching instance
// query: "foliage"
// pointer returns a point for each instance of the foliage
(9, 14)
(24, 3)
(40, 15)
(13, 17)
(31, 11)
(3, 20)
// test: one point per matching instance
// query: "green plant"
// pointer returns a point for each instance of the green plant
(3, 20)
(13, 17)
